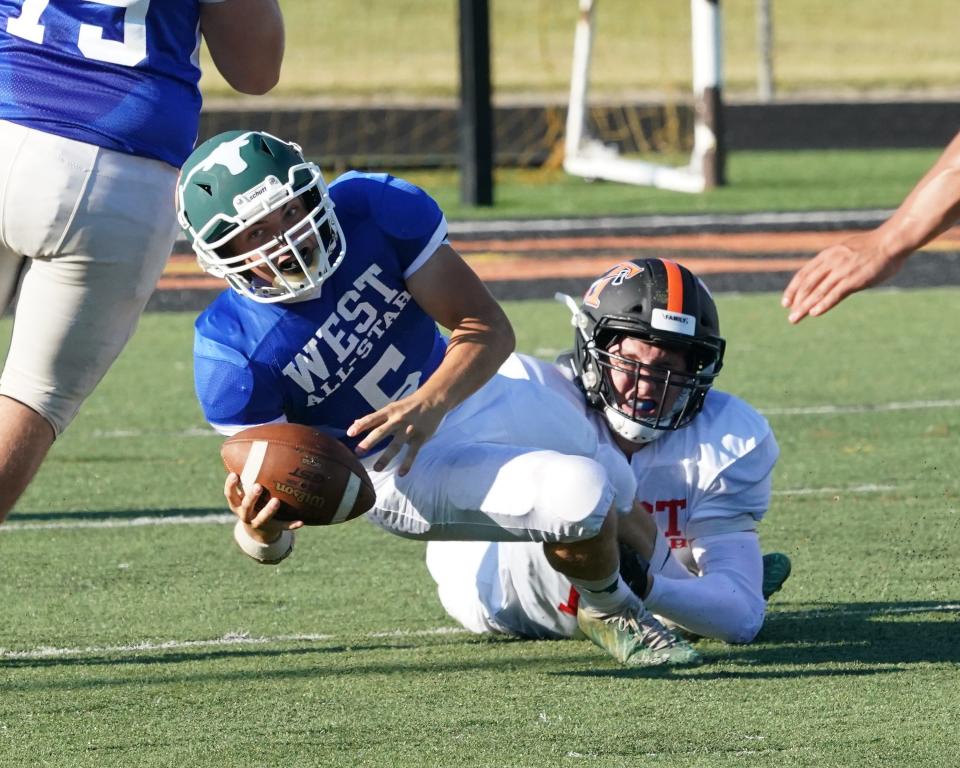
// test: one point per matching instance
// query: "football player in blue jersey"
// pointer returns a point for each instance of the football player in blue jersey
(99, 107)
(331, 321)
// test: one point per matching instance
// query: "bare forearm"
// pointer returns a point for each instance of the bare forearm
(869, 258)
(929, 210)
(475, 351)
(246, 42)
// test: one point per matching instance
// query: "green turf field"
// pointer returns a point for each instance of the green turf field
(131, 643)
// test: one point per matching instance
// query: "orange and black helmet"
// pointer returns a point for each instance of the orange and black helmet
(661, 303)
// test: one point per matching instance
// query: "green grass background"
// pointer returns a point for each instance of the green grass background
(408, 48)
(857, 665)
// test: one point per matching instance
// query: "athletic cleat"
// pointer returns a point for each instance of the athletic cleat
(633, 636)
(776, 570)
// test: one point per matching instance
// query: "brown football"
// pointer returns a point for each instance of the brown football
(318, 479)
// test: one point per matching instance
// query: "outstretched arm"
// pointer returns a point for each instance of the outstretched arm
(481, 338)
(870, 258)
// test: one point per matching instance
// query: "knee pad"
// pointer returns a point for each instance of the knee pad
(575, 489)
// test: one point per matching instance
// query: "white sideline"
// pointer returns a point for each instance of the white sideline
(942, 608)
(242, 638)
(866, 488)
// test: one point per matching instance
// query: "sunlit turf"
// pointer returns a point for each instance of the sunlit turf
(125, 632)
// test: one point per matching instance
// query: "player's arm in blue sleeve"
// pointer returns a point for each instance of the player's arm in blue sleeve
(234, 395)
(411, 219)
(233, 392)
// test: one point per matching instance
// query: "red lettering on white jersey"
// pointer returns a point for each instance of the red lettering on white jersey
(573, 602)
(672, 508)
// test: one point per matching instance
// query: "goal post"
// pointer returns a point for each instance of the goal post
(589, 157)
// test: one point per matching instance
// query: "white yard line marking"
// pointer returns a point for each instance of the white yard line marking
(893, 610)
(806, 410)
(820, 410)
(867, 488)
(676, 222)
(223, 518)
(230, 639)
(111, 434)
(244, 639)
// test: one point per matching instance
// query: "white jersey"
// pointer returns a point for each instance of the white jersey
(710, 477)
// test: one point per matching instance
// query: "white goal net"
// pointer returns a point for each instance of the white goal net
(587, 156)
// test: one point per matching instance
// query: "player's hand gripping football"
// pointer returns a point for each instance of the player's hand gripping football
(259, 522)
(410, 421)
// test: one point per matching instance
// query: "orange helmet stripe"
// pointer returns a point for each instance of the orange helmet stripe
(674, 287)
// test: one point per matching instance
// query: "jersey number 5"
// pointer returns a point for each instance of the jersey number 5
(129, 51)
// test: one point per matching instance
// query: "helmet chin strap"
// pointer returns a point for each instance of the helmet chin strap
(630, 430)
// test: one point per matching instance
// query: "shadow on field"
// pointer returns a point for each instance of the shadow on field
(825, 640)
(138, 658)
(829, 640)
(118, 514)
(875, 632)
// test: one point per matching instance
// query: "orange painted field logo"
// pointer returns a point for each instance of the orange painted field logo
(616, 275)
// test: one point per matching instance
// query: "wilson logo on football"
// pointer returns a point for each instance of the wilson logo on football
(313, 499)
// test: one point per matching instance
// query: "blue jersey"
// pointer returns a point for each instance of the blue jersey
(361, 344)
(120, 75)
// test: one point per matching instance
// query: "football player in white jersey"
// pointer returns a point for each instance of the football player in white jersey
(331, 321)
(647, 349)
(99, 106)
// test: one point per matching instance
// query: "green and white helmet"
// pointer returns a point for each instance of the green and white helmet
(231, 182)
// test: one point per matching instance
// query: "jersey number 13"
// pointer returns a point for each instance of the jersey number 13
(129, 51)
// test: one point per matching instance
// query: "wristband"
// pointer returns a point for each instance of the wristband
(268, 554)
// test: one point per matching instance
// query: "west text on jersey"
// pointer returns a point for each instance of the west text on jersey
(362, 315)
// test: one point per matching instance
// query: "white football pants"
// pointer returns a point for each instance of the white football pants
(511, 589)
(84, 236)
(514, 462)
